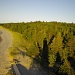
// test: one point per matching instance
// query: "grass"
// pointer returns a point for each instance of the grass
(19, 46)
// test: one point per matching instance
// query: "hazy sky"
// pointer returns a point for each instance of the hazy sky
(35, 10)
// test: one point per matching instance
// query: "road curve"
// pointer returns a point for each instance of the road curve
(5, 43)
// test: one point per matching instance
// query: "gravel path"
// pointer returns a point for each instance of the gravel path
(5, 43)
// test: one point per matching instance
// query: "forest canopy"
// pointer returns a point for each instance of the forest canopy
(52, 42)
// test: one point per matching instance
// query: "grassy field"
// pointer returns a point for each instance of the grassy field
(18, 50)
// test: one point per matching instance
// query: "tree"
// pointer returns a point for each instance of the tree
(71, 46)
(56, 46)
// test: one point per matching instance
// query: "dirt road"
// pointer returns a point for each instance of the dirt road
(5, 43)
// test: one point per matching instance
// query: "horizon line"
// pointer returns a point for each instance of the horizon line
(36, 21)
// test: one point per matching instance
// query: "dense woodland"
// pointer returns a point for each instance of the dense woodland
(52, 44)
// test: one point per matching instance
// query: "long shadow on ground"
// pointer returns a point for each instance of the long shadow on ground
(23, 70)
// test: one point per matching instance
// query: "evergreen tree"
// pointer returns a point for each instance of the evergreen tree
(71, 46)
(56, 46)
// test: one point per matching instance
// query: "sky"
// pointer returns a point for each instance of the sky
(37, 10)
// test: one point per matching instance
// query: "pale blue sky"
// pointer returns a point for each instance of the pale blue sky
(35, 10)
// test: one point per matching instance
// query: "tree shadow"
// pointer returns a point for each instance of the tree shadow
(23, 70)
(58, 58)
(44, 58)
(43, 53)
(51, 39)
(40, 50)
(40, 63)
(36, 68)
(72, 62)
(57, 64)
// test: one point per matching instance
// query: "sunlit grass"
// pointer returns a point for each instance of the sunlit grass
(19, 43)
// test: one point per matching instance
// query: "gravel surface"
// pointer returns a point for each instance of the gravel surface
(5, 43)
